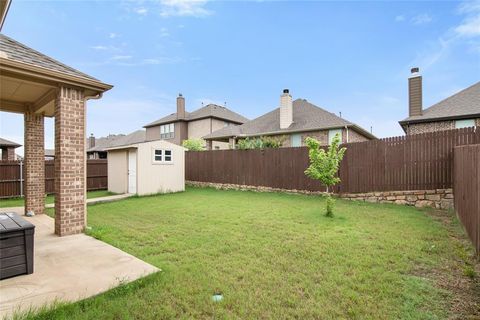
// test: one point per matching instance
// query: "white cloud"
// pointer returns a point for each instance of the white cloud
(469, 27)
(141, 11)
(99, 47)
(193, 8)
(112, 35)
(400, 18)
(423, 18)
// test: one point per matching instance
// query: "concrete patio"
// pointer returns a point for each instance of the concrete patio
(67, 269)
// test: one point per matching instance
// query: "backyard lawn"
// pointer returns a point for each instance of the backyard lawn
(19, 202)
(275, 256)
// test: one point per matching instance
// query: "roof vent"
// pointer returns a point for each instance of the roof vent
(415, 70)
(286, 91)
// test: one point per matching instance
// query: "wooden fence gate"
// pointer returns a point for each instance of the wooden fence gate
(467, 190)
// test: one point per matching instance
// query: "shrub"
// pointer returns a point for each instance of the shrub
(194, 144)
(260, 143)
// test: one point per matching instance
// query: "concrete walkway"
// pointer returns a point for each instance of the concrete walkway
(67, 268)
(100, 199)
(89, 201)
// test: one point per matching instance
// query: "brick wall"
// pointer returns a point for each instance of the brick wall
(34, 163)
(322, 137)
(69, 162)
(433, 126)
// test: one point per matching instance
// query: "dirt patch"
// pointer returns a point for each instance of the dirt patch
(461, 276)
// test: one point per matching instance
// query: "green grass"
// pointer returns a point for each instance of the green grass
(274, 256)
(19, 202)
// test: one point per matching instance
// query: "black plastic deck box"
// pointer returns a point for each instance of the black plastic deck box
(16, 245)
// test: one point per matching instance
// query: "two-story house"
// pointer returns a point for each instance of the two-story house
(184, 125)
(293, 121)
(460, 110)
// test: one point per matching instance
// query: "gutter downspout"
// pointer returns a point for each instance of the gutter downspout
(85, 99)
(346, 128)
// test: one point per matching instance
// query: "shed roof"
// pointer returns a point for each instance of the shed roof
(8, 143)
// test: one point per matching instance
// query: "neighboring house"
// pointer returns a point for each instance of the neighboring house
(97, 148)
(294, 121)
(146, 167)
(460, 110)
(184, 125)
(8, 149)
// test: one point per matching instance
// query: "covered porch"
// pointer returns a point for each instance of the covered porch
(38, 86)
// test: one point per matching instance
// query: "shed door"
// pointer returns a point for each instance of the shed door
(132, 171)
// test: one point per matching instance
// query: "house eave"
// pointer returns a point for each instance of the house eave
(428, 120)
(50, 76)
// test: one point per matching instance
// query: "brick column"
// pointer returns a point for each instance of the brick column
(70, 209)
(34, 163)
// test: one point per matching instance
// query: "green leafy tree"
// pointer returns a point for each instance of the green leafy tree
(194, 144)
(324, 166)
(260, 143)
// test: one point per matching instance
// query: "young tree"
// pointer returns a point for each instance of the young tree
(194, 144)
(324, 166)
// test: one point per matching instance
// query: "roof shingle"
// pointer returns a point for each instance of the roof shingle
(211, 110)
(13, 50)
(461, 104)
(306, 117)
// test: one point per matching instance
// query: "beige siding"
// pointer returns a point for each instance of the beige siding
(199, 128)
(153, 133)
(217, 125)
(322, 137)
(118, 171)
(160, 178)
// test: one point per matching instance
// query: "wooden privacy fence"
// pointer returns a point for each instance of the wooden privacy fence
(467, 190)
(417, 162)
(12, 175)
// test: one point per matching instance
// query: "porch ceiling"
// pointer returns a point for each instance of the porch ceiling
(29, 80)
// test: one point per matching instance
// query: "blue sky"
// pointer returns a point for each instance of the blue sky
(352, 57)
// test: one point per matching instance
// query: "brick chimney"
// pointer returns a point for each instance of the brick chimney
(286, 110)
(180, 106)
(91, 141)
(415, 93)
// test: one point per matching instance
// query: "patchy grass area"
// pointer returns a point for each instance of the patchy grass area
(19, 202)
(275, 256)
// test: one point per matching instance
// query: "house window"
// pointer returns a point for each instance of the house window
(158, 155)
(167, 131)
(464, 123)
(226, 124)
(296, 140)
(162, 156)
(332, 133)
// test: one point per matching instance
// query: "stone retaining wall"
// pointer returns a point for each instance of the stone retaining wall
(438, 198)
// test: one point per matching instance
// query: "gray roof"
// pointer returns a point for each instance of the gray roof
(8, 143)
(13, 50)
(211, 110)
(460, 105)
(115, 140)
(306, 117)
